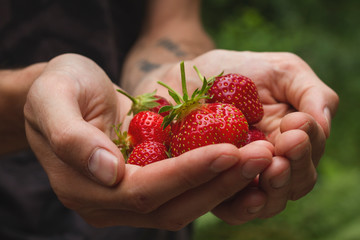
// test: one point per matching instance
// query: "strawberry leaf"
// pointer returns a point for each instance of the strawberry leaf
(165, 108)
(184, 104)
(142, 102)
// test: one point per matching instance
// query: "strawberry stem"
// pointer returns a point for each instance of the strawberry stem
(142, 102)
(183, 81)
(211, 80)
(184, 104)
(128, 95)
(176, 96)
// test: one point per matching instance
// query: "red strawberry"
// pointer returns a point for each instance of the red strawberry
(255, 134)
(199, 124)
(146, 102)
(147, 152)
(234, 126)
(239, 91)
(161, 103)
(209, 124)
(146, 126)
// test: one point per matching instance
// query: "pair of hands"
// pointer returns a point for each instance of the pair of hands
(72, 106)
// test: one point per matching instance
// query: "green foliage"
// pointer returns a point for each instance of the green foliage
(330, 211)
(326, 34)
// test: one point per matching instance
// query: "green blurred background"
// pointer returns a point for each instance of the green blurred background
(326, 34)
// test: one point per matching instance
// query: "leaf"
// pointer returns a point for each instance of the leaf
(165, 108)
(176, 98)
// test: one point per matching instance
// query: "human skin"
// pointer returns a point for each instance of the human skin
(72, 105)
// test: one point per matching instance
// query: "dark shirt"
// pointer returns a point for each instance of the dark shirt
(36, 31)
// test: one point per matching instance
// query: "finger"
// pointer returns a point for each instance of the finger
(296, 147)
(190, 191)
(304, 90)
(322, 105)
(79, 142)
(168, 179)
(245, 206)
(308, 124)
(275, 182)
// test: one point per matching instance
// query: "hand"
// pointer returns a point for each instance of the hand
(70, 110)
(298, 110)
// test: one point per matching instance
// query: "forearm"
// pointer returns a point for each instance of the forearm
(166, 39)
(14, 85)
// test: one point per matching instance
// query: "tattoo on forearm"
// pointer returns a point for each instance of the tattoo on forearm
(146, 66)
(171, 46)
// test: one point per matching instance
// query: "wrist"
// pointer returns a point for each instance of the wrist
(14, 86)
(148, 82)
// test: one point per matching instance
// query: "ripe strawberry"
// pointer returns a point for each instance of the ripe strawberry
(209, 124)
(146, 126)
(146, 102)
(199, 124)
(255, 134)
(161, 103)
(147, 152)
(239, 91)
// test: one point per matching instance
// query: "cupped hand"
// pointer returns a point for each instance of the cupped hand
(298, 110)
(69, 112)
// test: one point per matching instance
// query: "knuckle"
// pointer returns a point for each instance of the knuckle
(60, 138)
(188, 181)
(225, 191)
(334, 96)
(290, 62)
(140, 202)
(304, 189)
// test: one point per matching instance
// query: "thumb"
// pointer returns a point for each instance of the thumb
(322, 104)
(89, 150)
(86, 149)
(83, 145)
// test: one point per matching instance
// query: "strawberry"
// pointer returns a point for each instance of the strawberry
(209, 124)
(146, 126)
(255, 134)
(122, 141)
(147, 152)
(161, 103)
(195, 123)
(146, 102)
(239, 91)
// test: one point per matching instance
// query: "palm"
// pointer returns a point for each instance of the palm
(275, 107)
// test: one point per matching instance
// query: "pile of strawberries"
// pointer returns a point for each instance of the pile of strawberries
(223, 110)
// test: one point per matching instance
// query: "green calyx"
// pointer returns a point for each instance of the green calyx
(142, 102)
(122, 141)
(184, 103)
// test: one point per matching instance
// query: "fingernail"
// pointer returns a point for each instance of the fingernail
(280, 180)
(327, 115)
(103, 165)
(222, 163)
(253, 210)
(253, 167)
